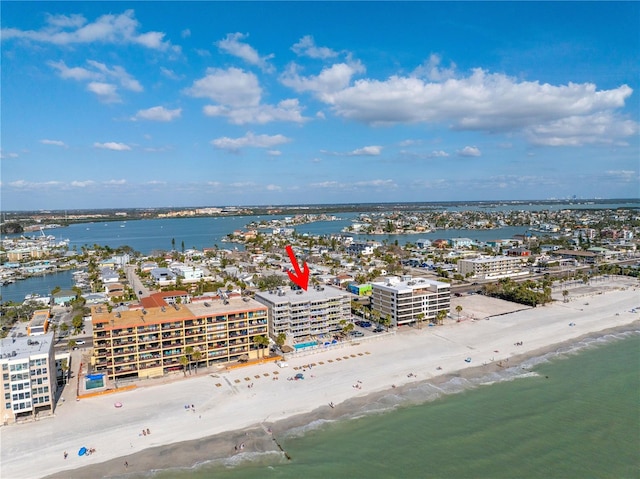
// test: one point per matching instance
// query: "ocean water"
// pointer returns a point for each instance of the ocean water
(574, 413)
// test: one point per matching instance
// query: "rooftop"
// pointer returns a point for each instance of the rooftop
(22, 347)
(286, 295)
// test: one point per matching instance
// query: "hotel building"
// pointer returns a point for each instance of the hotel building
(28, 376)
(305, 316)
(403, 300)
(493, 267)
(149, 342)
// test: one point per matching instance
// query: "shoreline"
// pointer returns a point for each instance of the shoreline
(355, 378)
(261, 439)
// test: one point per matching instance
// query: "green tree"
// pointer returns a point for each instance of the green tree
(184, 361)
(189, 353)
(458, 310)
(196, 356)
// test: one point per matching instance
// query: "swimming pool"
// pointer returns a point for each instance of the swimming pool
(305, 345)
(94, 381)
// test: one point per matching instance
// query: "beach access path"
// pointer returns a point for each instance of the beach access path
(233, 399)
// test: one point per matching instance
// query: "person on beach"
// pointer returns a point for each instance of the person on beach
(126, 465)
(65, 454)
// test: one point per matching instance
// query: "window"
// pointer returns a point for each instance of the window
(7, 405)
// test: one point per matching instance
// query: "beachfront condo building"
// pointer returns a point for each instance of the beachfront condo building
(150, 342)
(493, 267)
(306, 317)
(28, 377)
(409, 300)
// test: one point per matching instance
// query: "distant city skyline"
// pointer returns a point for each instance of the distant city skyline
(166, 104)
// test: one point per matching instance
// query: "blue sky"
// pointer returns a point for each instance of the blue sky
(149, 104)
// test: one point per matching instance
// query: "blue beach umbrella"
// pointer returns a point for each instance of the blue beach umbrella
(82, 451)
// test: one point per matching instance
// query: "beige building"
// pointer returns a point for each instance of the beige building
(493, 267)
(149, 342)
(405, 299)
(28, 377)
(306, 317)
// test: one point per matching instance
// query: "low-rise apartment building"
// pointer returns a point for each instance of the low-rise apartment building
(408, 300)
(305, 316)
(28, 377)
(493, 267)
(149, 342)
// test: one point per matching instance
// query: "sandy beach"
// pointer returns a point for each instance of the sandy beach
(240, 411)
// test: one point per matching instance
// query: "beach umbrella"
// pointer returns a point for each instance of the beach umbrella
(118, 404)
(82, 451)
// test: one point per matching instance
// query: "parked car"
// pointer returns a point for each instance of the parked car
(379, 329)
(80, 342)
(357, 334)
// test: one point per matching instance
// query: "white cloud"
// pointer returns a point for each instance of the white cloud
(273, 188)
(117, 73)
(249, 140)
(274, 153)
(101, 76)
(115, 182)
(235, 47)
(107, 92)
(74, 29)
(602, 127)
(53, 142)
(438, 154)
(432, 71)
(373, 150)
(545, 114)
(469, 151)
(233, 87)
(185, 33)
(112, 145)
(238, 95)
(330, 81)
(307, 47)
(170, 73)
(158, 113)
(6, 156)
(74, 73)
(82, 184)
(365, 184)
(286, 110)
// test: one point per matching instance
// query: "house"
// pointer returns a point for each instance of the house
(64, 297)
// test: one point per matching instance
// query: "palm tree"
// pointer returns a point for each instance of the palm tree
(565, 296)
(189, 352)
(386, 321)
(281, 339)
(458, 309)
(64, 365)
(196, 356)
(440, 316)
(184, 361)
(420, 318)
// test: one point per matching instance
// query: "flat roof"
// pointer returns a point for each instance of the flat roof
(411, 284)
(25, 346)
(39, 318)
(287, 295)
(179, 312)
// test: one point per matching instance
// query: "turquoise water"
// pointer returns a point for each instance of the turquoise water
(576, 417)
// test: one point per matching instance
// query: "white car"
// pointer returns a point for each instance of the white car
(80, 342)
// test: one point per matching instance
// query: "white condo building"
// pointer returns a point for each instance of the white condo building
(28, 376)
(305, 316)
(493, 267)
(404, 299)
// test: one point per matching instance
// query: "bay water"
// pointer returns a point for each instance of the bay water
(572, 413)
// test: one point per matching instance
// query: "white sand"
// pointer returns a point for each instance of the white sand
(36, 449)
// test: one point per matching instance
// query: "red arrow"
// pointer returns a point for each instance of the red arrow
(301, 278)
